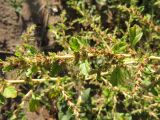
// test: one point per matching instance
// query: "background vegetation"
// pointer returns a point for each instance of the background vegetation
(106, 66)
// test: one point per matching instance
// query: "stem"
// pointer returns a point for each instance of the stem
(67, 56)
(154, 58)
(93, 76)
(33, 80)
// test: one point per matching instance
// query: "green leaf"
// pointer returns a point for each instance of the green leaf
(31, 71)
(10, 92)
(82, 41)
(34, 104)
(74, 44)
(85, 94)
(55, 69)
(63, 112)
(123, 116)
(154, 91)
(2, 99)
(119, 47)
(101, 2)
(85, 68)
(109, 94)
(30, 50)
(65, 117)
(135, 35)
(68, 116)
(134, 2)
(7, 68)
(18, 53)
(157, 4)
(118, 76)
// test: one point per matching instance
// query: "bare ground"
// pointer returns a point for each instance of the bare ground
(10, 29)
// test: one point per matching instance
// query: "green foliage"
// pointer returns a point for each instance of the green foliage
(108, 68)
(77, 43)
(74, 44)
(10, 92)
(84, 68)
(17, 5)
(34, 103)
(120, 47)
(2, 100)
(85, 95)
(119, 76)
(31, 71)
(135, 35)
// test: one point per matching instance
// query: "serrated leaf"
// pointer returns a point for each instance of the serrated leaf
(10, 92)
(135, 35)
(84, 68)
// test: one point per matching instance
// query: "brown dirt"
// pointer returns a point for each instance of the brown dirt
(9, 27)
(42, 114)
(10, 31)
